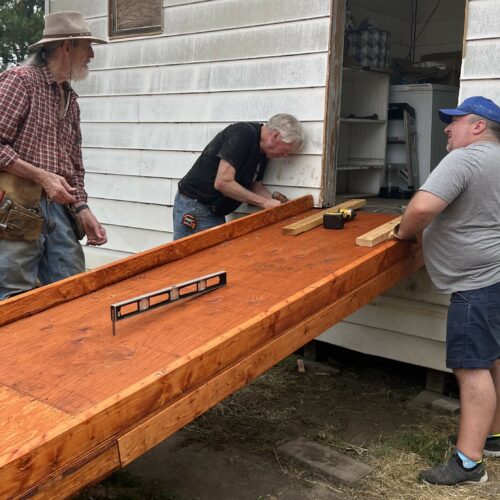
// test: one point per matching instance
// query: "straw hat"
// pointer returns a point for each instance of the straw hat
(65, 26)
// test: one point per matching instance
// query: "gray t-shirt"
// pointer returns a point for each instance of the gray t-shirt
(462, 244)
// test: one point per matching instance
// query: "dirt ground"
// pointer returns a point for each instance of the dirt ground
(355, 404)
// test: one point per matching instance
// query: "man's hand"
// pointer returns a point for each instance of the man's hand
(57, 188)
(393, 235)
(270, 203)
(96, 234)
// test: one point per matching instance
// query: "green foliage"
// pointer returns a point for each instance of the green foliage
(21, 24)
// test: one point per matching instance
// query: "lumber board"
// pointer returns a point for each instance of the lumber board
(175, 416)
(377, 235)
(166, 366)
(81, 284)
(64, 483)
(315, 220)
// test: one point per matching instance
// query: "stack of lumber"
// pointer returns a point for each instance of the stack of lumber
(78, 403)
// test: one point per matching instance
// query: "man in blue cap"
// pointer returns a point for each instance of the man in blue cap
(458, 210)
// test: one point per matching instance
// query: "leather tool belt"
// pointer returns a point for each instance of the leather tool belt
(20, 217)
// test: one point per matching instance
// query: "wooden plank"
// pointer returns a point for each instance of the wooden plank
(164, 423)
(79, 474)
(377, 235)
(26, 418)
(48, 296)
(333, 94)
(109, 383)
(317, 219)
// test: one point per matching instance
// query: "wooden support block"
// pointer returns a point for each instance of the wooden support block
(317, 219)
(377, 235)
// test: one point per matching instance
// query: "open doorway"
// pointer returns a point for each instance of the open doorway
(401, 63)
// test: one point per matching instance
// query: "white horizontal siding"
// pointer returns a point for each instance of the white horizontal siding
(98, 256)
(133, 240)
(88, 8)
(129, 214)
(300, 37)
(486, 88)
(129, 188)
(218, 107)
(172, 137)
(268, 73)
(303, 170)
(481, 63)
(482, 60)
(163, 164)
(484, 19)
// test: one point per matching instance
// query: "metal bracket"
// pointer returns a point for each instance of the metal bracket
(143, 303)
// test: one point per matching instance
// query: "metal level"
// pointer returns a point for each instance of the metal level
(173, 293)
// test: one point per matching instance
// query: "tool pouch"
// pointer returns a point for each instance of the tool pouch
(18, 223)
(75, 222)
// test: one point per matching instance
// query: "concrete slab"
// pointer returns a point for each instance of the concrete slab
(196, 471)
(438, 402)
(325, 460)
(446, 405)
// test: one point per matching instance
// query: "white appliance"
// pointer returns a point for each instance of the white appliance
(426, 99)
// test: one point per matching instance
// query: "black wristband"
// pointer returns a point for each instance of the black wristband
(79, 208)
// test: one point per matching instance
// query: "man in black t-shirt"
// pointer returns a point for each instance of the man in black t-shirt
(230, 171)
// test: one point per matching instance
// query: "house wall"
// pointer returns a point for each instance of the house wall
(151, 104)
(408, 323)
(481, 64)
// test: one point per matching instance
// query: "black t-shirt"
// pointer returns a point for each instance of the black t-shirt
(239, 145)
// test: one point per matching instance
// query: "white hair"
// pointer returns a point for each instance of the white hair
(290, 129)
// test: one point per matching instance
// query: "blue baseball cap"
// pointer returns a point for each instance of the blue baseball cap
(476, 105)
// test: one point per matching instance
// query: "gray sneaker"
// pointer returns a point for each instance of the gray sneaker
(454, 473)
(491, 446)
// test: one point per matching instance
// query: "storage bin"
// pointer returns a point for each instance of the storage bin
(369, 47)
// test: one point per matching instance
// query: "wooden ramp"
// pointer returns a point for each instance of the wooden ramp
(77, 403)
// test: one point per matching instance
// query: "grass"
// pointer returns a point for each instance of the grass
(331, 409)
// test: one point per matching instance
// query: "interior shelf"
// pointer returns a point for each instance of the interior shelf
(362, 141)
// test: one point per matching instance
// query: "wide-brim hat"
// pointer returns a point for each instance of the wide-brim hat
(65, 26)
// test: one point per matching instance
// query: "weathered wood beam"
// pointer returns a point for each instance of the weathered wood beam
(377, 235)
(315, 220)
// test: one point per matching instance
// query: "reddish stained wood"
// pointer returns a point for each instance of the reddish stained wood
(165, 422)
(39, 299)
(64, 483)
(109, 383)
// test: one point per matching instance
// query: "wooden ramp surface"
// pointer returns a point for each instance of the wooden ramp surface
(77, 403)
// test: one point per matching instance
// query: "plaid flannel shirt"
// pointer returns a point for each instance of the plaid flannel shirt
(30, 128)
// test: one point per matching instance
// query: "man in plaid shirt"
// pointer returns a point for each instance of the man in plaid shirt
(40, 144)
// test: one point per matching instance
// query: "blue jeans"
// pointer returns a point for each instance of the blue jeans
(473, 328)
(56, 254)
(203, 215)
